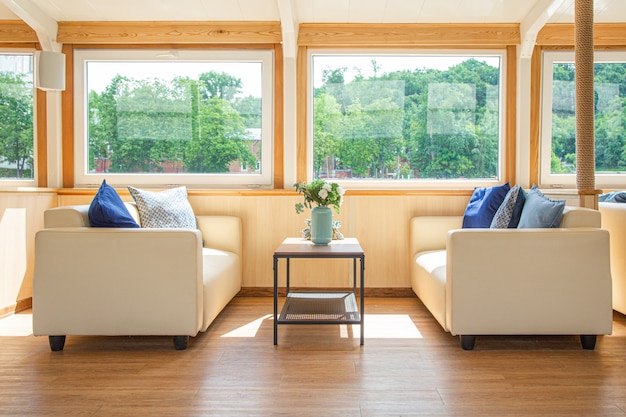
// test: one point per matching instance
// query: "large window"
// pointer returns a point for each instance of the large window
(16, 119)
(403, 119)
(558, 122)
(156, 117)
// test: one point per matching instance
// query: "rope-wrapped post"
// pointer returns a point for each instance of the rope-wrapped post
(585, 141)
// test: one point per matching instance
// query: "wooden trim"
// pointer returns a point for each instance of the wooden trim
(332, 34)
(279, 118)
(24, 304)
(535, 114)
(67, 116)
(563, 34)
(16, 31)
(279, 192)
(42, 138)
(301, 114)
(20, 305)
(369, 292)
(511, 115)
(302, 168)
(68, 103)
(169, 32)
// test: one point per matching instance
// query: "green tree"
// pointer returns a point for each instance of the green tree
(218, 84)
(16, 124)
(222, 140)
(327, 120)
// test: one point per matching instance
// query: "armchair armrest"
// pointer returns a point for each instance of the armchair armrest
(110, 281)
(222, 233)
(430, 232)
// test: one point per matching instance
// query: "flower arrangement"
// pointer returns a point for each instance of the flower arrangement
(321, 193)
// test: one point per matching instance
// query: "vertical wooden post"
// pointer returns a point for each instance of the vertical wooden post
(585, 143)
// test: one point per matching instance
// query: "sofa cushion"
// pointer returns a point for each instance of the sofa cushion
(108, 210)
(483, 205)
(164, 209)
(540, 211)
(510, 210)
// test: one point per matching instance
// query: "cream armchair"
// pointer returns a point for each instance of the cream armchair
(614, 220)
(108, 281)
(514, 281)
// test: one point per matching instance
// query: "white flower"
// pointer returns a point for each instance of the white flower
(323, 193)
(327, 187)
(340, 190)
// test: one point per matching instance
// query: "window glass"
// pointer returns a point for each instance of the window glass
(16, 118)
(400, 118)
(559, 118)
(172, 117)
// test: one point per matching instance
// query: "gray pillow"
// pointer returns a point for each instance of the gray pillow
(540, 211)
(164, 209)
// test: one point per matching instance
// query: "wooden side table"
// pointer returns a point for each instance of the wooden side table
(320, 307)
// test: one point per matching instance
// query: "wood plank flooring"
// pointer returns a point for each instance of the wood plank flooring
(407, 367)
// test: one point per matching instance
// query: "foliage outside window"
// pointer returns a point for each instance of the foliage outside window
(407, 118)
(16, 118)
(558, 162)
(175, 117)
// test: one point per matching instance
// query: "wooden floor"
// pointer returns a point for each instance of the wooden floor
(407, 367)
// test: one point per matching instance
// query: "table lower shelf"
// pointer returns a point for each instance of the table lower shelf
(320, 308)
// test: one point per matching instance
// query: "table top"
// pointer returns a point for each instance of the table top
(300, 247)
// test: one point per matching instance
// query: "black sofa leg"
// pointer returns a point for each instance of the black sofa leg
(467, 342)
(588, 341)
(56, 343)
(180, 342)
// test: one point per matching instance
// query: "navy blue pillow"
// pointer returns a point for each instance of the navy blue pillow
(510, 210)
(108, 210)
(483, 205)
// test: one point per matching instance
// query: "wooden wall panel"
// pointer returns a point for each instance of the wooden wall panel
(21, 215)
(563, 34)
(333, 34)
(168, 32)
(17, 32)
(380, 222)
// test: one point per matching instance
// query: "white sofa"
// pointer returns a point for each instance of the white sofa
(109, 281)
(614, 220)
(514, 281)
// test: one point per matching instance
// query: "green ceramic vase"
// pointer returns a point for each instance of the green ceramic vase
(321, 225)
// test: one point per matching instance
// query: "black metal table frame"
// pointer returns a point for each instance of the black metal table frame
(313, 255)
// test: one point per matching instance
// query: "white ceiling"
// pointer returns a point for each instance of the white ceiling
(314, 11)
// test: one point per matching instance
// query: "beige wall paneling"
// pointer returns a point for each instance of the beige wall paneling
(21, 215)
(379, 221)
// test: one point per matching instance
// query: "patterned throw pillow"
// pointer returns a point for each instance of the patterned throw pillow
(510, 211)
(164, 209)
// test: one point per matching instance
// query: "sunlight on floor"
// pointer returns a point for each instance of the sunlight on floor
(377, 326)
(17, 325)
(250, 329)
(386, 326)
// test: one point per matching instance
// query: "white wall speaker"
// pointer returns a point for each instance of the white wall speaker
(50, 70)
